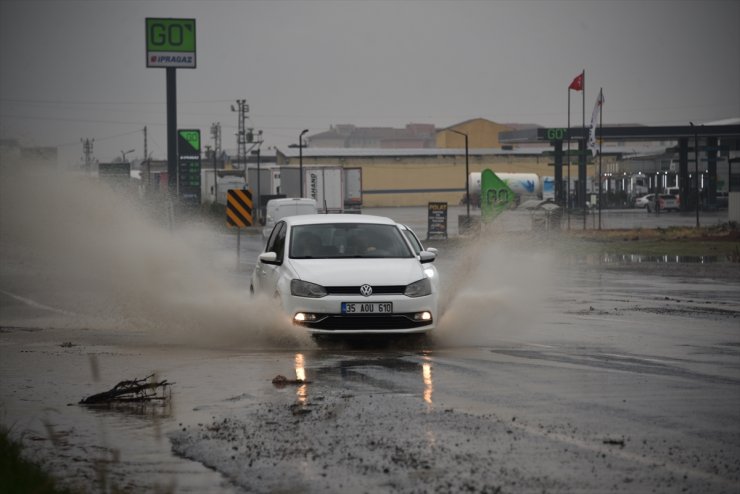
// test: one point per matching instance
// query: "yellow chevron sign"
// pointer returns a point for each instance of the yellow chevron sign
(239, 208)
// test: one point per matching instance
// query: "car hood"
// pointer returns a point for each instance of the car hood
(355, 272)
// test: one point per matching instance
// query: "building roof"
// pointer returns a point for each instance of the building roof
(350, 132)
(309, 152)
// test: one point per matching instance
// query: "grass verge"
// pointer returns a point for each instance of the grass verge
(20, 476)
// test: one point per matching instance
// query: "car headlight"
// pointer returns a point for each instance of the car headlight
(300, 288)
(419, 288)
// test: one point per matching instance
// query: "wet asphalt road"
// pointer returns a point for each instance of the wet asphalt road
(546, 374)
(607, 379)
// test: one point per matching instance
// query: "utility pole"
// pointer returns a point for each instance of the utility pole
(87, 150)
(216, 135)
(241, 135)
(146, 160)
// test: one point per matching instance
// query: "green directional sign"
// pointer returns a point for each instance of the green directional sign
(170, 43)
(188, 167)
(192, 137)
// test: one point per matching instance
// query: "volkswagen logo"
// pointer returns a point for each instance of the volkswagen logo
(366, 290)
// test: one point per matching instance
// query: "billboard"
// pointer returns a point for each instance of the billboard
(170, 43)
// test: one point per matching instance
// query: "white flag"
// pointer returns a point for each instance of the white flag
(594, 118)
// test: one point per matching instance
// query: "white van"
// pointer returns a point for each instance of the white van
(278, 209)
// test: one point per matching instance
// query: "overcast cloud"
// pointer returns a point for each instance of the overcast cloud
(71, 70)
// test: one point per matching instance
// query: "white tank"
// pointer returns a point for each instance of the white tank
(524, 184)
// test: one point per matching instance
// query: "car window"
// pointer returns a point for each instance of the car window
(270, 247)
(276, 242)
(413, 241)
(279, 245)
(347, 240)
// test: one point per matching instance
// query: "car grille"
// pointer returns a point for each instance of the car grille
(355, 290)
(339, 322)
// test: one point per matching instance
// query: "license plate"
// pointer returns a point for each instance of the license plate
(367, 307)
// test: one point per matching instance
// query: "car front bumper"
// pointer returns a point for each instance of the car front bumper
(324, 315)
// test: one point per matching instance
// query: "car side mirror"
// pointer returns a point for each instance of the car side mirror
(268, 257)
(426, 256)
(432, 250)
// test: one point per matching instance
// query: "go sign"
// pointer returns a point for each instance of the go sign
(557, 134)
(170, 43)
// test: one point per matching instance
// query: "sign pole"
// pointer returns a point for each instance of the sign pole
(170, 44)
(238, 246)
(172, 131)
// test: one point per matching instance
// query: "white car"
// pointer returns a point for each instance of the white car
(666, 202)
(642, 202)
(347, 274)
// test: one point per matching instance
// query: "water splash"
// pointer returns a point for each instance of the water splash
(106, 260)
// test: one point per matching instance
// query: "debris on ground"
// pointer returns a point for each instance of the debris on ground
(133, 391)
(281, 381)
(614, 442)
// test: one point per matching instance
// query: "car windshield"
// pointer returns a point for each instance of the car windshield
(347, 240)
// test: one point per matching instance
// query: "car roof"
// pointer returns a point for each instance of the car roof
(314, 219)
(291, 200)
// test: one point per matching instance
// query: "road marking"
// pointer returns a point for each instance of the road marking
(36, 305)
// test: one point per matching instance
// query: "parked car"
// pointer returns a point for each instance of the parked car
(278, 209)
(643, 201)
(675, 192)
(347, 274)
(666, 202)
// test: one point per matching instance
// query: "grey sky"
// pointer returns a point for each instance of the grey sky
(77, 69)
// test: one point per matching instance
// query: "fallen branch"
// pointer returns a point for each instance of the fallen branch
(281, 381)
(132, 391)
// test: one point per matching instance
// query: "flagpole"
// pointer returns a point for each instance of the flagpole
(567, 198)
(601, 142)
(583, 114)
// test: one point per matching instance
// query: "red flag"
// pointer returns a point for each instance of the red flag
(577, 84)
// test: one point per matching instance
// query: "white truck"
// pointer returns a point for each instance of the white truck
(525, 185)
(325, 185)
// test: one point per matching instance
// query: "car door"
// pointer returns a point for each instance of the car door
(268, 273)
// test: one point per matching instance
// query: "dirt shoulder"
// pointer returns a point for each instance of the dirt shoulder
(721, 242)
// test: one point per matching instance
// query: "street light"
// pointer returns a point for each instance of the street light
(124, 153)
(300, 158)
(467, 174)
(259, 174)
(696, 169)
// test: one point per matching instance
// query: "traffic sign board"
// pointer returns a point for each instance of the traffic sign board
(170, 43)
(239, 208)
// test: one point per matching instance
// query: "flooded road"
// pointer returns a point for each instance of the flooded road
(546, 374)
(617, 380)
